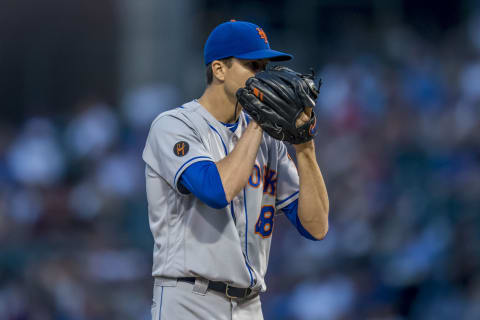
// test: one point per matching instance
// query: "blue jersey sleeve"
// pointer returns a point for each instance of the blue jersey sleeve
(291, 211)
(203, 180)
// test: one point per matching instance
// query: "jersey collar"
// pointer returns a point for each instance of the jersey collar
(220, 126)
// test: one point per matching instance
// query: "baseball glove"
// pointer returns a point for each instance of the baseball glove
(276, 97)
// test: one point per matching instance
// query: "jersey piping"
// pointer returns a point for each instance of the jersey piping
(233, 212)
(286, 199)
(187, 162)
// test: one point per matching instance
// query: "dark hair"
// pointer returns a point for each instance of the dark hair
(209, 72)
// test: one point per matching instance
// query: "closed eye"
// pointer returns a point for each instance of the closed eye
(256, 66)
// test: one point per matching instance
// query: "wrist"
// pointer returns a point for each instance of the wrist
(254, 125)
(306, 147)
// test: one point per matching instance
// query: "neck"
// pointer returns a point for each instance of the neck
(219, 105)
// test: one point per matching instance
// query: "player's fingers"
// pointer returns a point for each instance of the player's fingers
(302, 119)
(308, 111)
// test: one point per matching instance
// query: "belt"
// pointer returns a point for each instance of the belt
(222, 287)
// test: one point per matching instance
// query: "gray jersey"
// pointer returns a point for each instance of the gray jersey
(231, 244)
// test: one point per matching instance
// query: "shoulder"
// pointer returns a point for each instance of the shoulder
(165, 118)
(182, 116)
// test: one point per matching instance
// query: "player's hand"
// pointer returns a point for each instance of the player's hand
(304, 117)
(255, 125)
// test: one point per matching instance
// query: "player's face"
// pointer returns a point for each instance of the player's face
(240, 71)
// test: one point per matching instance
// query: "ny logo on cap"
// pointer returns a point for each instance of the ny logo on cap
(262, 34)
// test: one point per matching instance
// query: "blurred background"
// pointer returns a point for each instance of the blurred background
(398, 144)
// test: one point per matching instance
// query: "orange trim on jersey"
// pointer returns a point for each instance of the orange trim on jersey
(272, 216)
(289, 157)
(272, 182)
(271, 232)
(258, 175)
(265, 227)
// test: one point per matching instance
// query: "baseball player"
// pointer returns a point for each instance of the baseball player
(217, 178)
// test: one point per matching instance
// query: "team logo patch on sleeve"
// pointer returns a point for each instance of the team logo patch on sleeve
(180, 148)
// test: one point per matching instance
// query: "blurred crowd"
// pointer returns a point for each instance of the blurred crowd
(398, 145)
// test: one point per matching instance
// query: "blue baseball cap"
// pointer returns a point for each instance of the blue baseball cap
(242, 40)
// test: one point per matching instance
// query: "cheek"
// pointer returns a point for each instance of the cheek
(244, 77)
(239, 81)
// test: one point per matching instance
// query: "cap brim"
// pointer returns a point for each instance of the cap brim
(270, 54)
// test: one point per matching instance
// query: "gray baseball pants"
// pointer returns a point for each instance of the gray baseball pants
(177, 300)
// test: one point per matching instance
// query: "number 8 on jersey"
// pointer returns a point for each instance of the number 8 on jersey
(264, 225)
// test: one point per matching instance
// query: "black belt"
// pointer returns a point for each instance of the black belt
(229, 291)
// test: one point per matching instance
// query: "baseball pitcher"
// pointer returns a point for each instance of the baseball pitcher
(218, 174)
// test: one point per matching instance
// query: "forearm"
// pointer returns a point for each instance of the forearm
(313, 204)
(236, 168)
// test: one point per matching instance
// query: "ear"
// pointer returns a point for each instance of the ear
(218, 70)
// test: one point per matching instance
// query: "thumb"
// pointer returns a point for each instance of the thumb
(308, 112)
